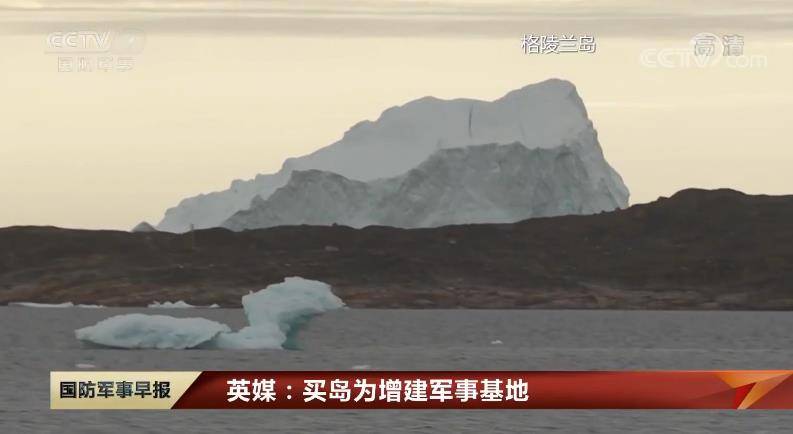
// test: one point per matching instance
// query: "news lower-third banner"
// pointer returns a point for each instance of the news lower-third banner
(361, 390)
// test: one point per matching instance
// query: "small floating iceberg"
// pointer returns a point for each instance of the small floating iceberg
(361, 367)
(42, 305)
(272, 313)
(53, 305)
(181, 304)
(137, 330)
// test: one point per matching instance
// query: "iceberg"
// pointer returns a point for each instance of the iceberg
(361, 367)
(490, 183)
(143, 227)
(42, 305)
(181, 304)
(137, 330)
(274, 311)
(54, 305)
(543, 115)
(272, 314)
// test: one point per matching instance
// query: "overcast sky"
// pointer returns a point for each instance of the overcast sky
(219, 90)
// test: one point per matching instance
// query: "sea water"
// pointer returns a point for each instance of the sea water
(35, 341)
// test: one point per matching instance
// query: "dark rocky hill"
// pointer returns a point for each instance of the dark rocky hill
(699, 249)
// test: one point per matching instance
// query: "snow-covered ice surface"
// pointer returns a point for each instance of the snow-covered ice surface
(477, 184)
(275, 310)
(54, 305)
(181, 304)
(139, 330)
(547, 115)
(271, 312)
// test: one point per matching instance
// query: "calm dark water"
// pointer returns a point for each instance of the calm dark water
(36, 341)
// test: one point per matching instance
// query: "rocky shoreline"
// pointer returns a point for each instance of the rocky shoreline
(699, 249)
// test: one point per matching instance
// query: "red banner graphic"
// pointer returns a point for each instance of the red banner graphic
(489, 390)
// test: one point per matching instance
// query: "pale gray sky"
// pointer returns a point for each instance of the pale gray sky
(224, 90)
(403, 18)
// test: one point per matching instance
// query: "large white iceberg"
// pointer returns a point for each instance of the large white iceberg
(272, 313)
(476, 184)
(137, 330)
(544, 115)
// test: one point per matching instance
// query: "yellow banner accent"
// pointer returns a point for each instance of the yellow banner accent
(81, 390)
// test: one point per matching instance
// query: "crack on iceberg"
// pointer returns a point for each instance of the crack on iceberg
(273, 315)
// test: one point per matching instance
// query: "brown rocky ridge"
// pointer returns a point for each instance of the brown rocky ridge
(699, 249)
